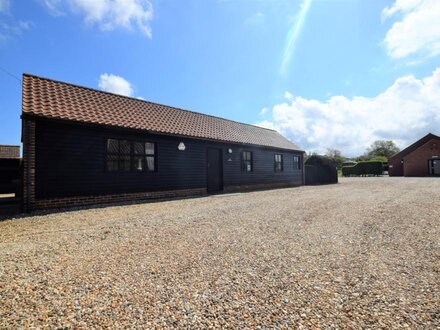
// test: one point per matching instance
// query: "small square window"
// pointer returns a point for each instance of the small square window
(149, 148)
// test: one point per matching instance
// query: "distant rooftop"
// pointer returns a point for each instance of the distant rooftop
(415, 145)
(9, 152)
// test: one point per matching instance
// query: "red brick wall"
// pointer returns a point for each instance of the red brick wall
(41, 204)
(416, 163)
(395, 167)
(251, 187)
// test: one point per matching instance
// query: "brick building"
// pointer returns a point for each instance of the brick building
(422, 158)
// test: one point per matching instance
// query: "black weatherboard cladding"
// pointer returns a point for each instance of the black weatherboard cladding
(71, 161)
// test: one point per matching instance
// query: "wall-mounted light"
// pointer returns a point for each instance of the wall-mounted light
(229, 151)
(181, 146)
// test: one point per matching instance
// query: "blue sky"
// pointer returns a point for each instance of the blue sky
(325, 73)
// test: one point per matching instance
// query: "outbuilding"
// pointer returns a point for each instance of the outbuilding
(83, 146)
(422, 158)
(9, 151)
(9, 171)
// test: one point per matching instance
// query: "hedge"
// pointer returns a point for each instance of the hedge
(363, 168)
(318, 160)
(320, 170)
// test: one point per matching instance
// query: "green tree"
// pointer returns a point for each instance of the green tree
(382, 159)
(385, 148)
(335, 156)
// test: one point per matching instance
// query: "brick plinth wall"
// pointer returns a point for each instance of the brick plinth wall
(28, 136)
(41, 204)
(264, 186)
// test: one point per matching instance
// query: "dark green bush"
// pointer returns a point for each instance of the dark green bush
(349, 163)
(319, 160)
(382, 159)
(320, 170)
(363, 169)
(348, 170)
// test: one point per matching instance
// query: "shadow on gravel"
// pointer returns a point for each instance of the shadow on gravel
(21, 215)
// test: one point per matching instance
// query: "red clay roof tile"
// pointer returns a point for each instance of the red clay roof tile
(54, 99)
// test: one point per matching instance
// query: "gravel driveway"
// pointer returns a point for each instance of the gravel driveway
(361, 254)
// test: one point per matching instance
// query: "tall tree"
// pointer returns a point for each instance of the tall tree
(385, 148)
(335, 156)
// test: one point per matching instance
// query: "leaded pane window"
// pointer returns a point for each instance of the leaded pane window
(118, 155)
(124, 156)
(246, 161)
(278, 165)
(296, 163)
(144, 156)
(139, 156)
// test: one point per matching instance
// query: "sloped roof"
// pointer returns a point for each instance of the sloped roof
(414, 146)
(7, 151)
(59, 100)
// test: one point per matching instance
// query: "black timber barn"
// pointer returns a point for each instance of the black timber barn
(83, 146)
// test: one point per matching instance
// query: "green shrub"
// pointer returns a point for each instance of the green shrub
(382, 159)
(349, 163)
(320, 174)
(348, 170)
(363, 169)
(318, 160)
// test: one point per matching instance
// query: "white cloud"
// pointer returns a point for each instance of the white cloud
(4, 5)
(264, 111)
(53, 6)
(115, 84)
(109, 14)
(406, 111)
(417, 32)
(404, 6)
(288, 96)
(10, 28)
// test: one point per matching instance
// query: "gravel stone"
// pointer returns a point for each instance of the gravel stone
(362, 254)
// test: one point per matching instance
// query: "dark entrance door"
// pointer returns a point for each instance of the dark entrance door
(215, 170)
(434, 167)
